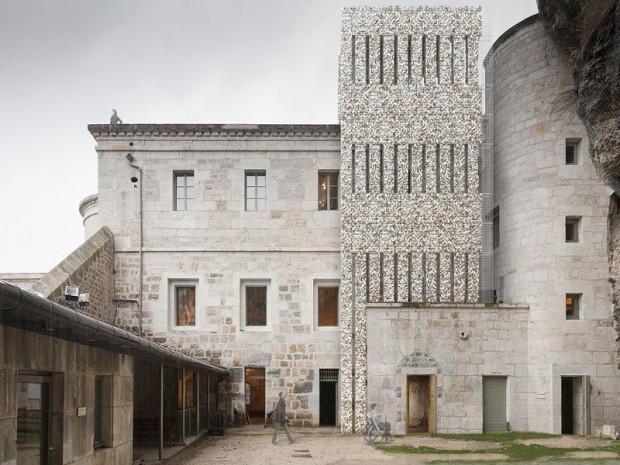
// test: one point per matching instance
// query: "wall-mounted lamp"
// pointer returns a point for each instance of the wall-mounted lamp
(84, 299)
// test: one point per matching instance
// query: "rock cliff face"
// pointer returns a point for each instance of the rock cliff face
(588, 31)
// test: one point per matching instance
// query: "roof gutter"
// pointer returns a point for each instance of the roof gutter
(27, 311)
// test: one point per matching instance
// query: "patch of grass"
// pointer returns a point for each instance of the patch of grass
(526, 453)
(430, 450)
(503, 437)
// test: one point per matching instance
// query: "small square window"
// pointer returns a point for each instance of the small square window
(572, 306)
(572, 228)
(183, 190)
(185, 305)
(256, 305)
(496, 227)
(255, 190)
(328, 190)
(572, 151)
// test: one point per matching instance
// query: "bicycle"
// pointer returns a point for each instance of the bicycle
(377, 432)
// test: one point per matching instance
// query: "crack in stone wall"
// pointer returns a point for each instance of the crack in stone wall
(410, 112)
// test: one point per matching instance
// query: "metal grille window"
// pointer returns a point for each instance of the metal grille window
(184, 190)
(328, 374)
(255, 190)
(328, 190)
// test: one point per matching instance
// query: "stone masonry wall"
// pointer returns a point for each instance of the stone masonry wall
(218, 246)
(410, 110)
(458, 344)
(535, 191)
(91, 268)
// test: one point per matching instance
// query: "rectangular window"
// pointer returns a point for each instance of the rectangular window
(496, 227)
(328, 306)
(256, 305)
(572, 151)
(328, 190)
(572, 306)
(98, 413)
(185, 305)
(255, 190)
(184, 190)
(572, 228)
(326, 303)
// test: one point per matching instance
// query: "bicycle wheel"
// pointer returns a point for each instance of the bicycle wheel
(374, 435)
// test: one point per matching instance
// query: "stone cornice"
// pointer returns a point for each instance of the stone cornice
(105, 131)
(88, 202)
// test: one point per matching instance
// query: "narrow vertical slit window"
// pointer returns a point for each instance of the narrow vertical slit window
(381, 163)
(452, 277)
(353, 168)
(423, 277)
(367, 277)
(381, 276)
(395, 59)
(367, 168)
(452, 168)
(380, 59)
(409, 173)
(437, 60)
(409, 280)
(409, 59)
(451, 59)
(437, 168)
(496, 237)
(395, 277)
(437, 278)
(395, 168)
(466, 277)
(353, 59)
(424, 59)
(466, 60)
(572, 306)
(466, 169)
(423, 187)
(367, 59)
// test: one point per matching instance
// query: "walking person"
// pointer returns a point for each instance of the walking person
(281, 420)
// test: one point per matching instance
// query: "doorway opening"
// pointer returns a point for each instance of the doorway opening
(328, 400)
(255, 395)
(33, 410)
(421, 404)
(575, 405)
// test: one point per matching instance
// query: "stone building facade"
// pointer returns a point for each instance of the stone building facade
(352, 264)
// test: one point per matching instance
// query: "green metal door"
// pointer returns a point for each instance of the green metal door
(493, 404)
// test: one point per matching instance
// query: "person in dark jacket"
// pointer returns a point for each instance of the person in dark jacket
(281, 420)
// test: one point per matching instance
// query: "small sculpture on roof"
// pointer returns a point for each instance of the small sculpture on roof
(115, 119)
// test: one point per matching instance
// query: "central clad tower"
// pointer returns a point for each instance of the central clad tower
(410, 112)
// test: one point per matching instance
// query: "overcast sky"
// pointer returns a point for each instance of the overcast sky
(65, 64)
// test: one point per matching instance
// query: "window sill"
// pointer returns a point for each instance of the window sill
(330, 329)
(255, 328)
(185, 328)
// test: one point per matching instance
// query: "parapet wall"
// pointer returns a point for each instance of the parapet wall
(91, 268)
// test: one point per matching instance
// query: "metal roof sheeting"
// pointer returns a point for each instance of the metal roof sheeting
(31, 312)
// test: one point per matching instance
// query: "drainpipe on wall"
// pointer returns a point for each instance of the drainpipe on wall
(139, 181)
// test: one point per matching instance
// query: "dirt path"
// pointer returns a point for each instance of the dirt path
(328, 447)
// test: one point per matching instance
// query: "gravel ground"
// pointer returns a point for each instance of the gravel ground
(328, 447)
